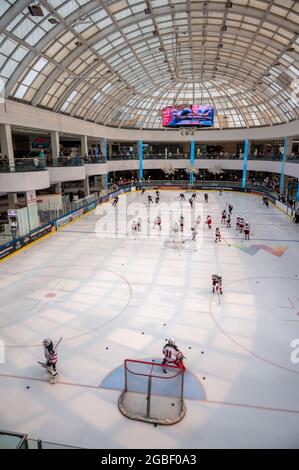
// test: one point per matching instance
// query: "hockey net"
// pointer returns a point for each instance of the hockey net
(152, 395)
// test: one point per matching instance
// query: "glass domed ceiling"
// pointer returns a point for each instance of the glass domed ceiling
(120, 62)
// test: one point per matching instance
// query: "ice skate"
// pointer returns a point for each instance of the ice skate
(53, 379)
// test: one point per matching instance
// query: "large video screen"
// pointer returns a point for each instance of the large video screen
(185, 115)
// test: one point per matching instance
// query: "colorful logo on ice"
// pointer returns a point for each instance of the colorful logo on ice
(254, 249)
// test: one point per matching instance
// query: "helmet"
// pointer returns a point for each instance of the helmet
(171, 341)
(47, 342)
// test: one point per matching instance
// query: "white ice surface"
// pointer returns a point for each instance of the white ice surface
(104, 293)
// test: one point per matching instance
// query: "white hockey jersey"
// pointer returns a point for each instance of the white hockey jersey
(172, 354)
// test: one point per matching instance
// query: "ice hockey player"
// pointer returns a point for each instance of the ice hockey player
(181, 223)
(217, 235)
(191, 202)
(223, 218)
(194, 232)
(217, 283)
(139, 223)
(241, 224)
(209, 221)
(230, 209)
(265, 201)
(182, 197)
(238, 224)
(197, 220)
(206, 196)
(220, 191)
(115, 201)
(158, 194)
(150, 199)
(134, 228)
(228, 221)
(51, 360)
(175, 231)
(194, 196)
(157, 222)
(172, 355)
(157, 199)
(247, 231)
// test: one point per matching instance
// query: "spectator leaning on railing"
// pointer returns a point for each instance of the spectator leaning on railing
(42, 158)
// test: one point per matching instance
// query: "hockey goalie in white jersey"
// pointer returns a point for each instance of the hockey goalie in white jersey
(172, 355)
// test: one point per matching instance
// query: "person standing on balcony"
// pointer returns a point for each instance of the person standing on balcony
(42, 159)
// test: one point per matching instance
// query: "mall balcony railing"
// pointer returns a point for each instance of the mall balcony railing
(293, 159)
(93, 159)
(202, 156)
(169, 156)
(119, 157)
(218, 156)
(22, 165)
(64, 161)
(264, 158)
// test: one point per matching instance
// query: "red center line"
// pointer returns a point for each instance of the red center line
(257, 407)
(212, 402)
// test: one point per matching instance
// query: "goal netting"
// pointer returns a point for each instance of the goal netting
(150, 394)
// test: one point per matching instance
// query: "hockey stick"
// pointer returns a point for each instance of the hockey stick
(186, 240)
(226, 241)
(58, 342)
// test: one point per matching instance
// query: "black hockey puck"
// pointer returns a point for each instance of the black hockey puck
(202, 352)
(172, 404)
(189, 347)
(203, 378)
(107, 347)
(164, 324)
(155, 425)
(27, 387)
(142, 333)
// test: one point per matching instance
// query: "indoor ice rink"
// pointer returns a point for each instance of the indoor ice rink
(117, 299)
(149, 225)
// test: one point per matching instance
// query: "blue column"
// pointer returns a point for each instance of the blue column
(282, 165)
(246, 151)
(104, 149)
(192, 160)
(140, 159)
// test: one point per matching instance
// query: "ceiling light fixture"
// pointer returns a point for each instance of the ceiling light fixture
(53, 21)
(35, 10)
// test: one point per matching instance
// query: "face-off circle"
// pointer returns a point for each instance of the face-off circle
(60, 301)
(251, 318)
